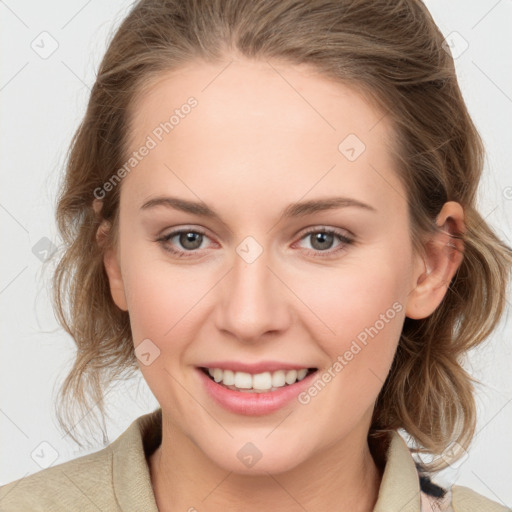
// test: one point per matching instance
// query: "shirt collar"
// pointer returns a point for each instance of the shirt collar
(399, 490)
(130, 471)
(400, 487)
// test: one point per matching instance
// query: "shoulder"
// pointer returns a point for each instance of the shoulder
(460, 499)
(406, 486)
(84, 483)
(114, 478)
(467, 500)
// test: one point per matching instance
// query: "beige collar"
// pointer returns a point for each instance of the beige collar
(399, 489)
(400, 486)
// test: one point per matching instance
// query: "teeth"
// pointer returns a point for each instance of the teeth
(302, 373)
(228, 377)
(243, 380)
(291, 377)
(259, 382)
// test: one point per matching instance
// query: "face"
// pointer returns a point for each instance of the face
(259, 279)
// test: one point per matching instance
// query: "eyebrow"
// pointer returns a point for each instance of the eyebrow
(298, 209)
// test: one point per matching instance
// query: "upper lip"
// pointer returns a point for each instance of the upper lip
(254, 368)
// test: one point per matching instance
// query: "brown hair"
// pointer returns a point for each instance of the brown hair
(392, 51)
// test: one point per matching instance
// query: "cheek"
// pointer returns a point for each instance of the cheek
(161, 305)
(362, 310)
(349, 299)
(164, 305)
(162, 298)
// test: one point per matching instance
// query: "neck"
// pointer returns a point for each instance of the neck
(344, 474)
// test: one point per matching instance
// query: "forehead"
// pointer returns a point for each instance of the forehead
(261, 123)
(246, 93)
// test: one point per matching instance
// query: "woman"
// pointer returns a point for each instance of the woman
(224, 144)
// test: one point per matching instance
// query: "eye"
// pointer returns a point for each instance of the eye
(190, 240)
(323, 239)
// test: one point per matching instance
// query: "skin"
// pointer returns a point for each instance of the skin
(255, 144)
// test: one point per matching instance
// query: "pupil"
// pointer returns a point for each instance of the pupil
(190, 238)
(322, 238)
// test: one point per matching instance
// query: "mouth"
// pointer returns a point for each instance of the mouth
(265, 382)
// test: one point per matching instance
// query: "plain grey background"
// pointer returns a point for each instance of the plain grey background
(50, 54)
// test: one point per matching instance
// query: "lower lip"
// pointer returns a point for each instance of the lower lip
(254, 404)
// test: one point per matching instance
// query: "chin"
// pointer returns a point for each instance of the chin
(257, 458)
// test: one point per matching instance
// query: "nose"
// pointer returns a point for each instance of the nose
(254, 301)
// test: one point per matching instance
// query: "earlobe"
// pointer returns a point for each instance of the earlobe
(110, 259)
(444, 253)
(115, 278)
(111, 263)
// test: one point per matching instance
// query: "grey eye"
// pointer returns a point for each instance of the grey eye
(321, 241)
(190, 240)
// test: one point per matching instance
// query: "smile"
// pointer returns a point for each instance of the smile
(259, 382)
(247, 400)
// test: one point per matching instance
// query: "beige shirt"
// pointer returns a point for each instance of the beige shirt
(117, 478)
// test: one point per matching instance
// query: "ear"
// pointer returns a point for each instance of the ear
(444, 254)
(111, 261)
(115, 278)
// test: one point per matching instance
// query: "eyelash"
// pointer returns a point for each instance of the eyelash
(322, 254)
